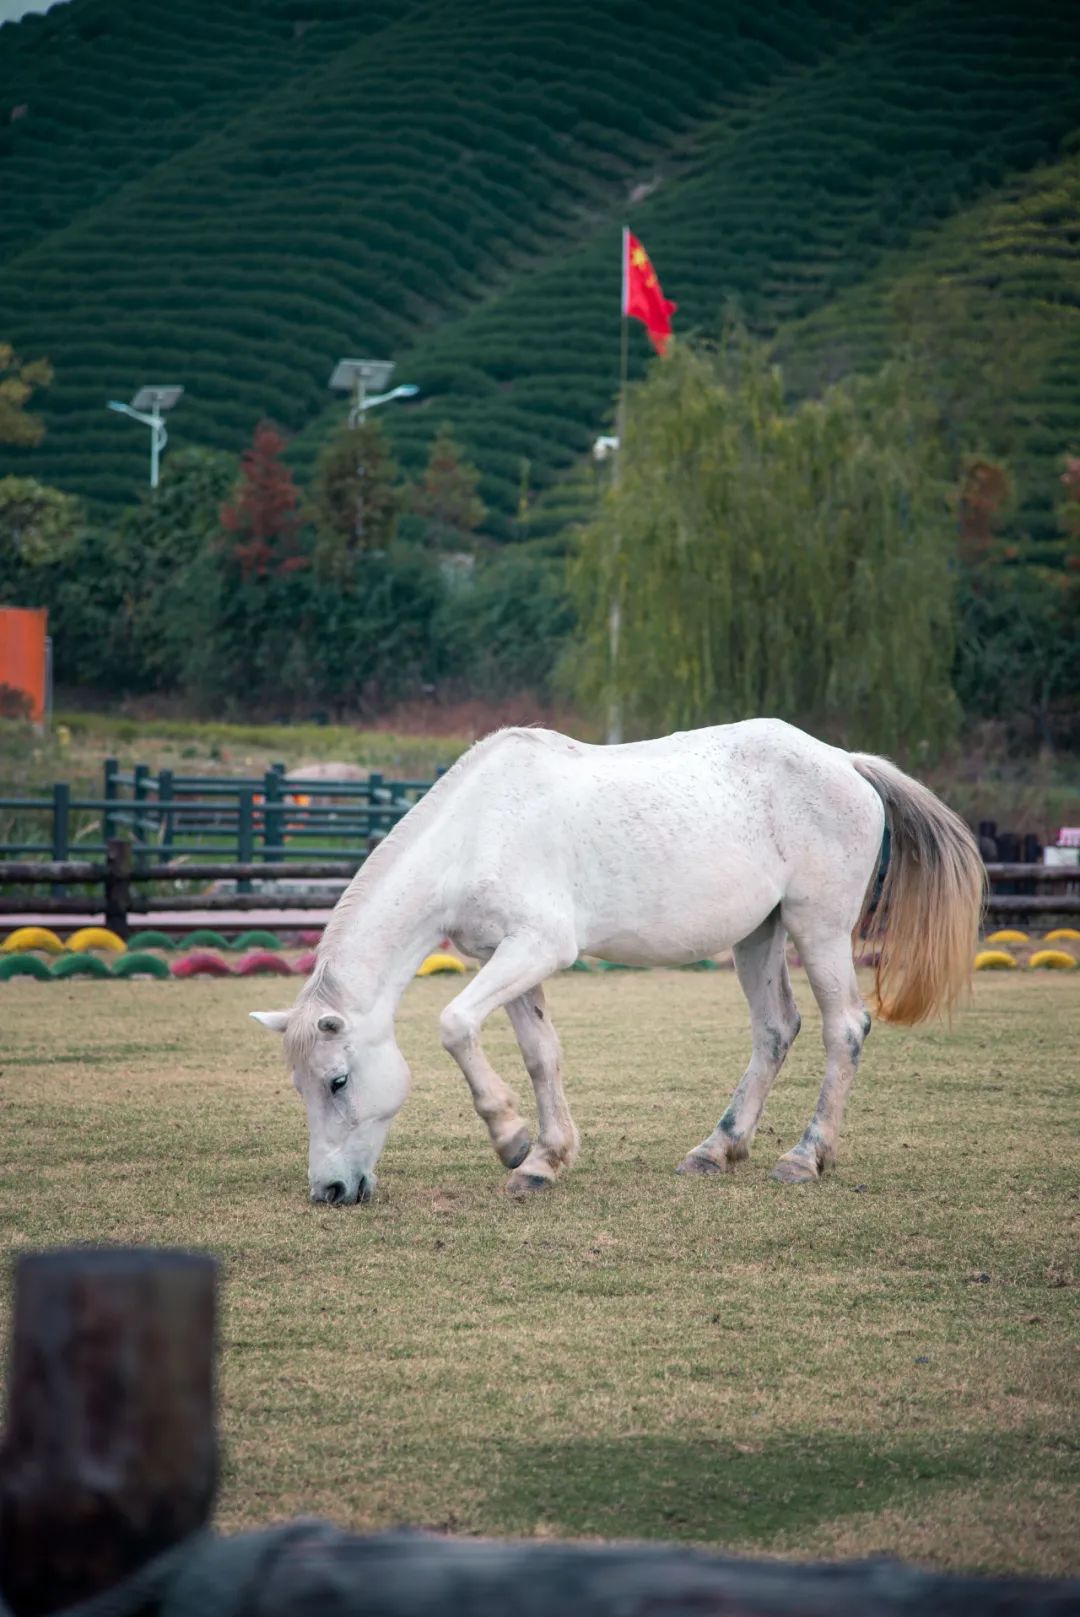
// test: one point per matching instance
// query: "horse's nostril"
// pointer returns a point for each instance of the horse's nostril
(335, 1191)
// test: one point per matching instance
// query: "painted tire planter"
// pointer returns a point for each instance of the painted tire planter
(32, 937)
(994, 960)
(80, 965)
(23, 965)
(256, 940)
(436, 963)
(150, 940)
(205, 938)
(260, 962)
(1008, 934)
(306, 964)
(203, 963)
(1063, 934)
(95, 937)
(1051, 960)
(141, 965)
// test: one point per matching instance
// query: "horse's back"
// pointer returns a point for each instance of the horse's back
(665, 849)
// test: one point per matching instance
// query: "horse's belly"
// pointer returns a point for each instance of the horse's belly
(688, 921)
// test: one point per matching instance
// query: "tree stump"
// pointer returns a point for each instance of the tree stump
(110, 1453)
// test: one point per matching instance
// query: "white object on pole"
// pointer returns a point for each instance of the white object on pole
(357, 376)
(148, 406)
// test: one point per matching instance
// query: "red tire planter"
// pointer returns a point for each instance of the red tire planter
(202, 963)
(260, 962)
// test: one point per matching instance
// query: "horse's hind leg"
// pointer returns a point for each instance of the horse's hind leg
(826, 954)
(557, 1144)
(762, 969)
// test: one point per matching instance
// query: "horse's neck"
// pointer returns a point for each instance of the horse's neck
(384, 926)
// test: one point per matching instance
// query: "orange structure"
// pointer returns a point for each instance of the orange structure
(23, 659)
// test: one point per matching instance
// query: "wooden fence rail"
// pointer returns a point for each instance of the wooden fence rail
(120, 876)
(109, 1465)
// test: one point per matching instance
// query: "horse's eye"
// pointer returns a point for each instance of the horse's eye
(339, 1082)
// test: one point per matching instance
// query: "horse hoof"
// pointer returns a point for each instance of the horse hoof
(516, 1150)
(527, 1184)
(703, 1167)
(795, 1171)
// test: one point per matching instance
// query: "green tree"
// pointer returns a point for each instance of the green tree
(354, 502)
(39, 532)
(771, 558)
(18, 380)
(445, 499)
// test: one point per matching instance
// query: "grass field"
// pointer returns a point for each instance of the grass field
(881, 1363)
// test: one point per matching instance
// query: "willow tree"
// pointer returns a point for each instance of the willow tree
(772, 558)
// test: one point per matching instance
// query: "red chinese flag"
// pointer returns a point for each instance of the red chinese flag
(643, 297)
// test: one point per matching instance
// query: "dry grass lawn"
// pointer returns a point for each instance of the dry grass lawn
(885, 1362)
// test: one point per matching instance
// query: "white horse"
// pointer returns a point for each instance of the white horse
(536, 848)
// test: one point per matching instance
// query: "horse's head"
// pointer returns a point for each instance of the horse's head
(353, 1082)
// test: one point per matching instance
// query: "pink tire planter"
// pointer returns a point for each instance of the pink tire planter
(260, 962)
(201, 963)
(306, 964)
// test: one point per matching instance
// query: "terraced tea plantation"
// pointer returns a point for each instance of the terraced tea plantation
(234, 195)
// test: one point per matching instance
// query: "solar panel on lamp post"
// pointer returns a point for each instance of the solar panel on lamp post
(356, 376)
(148, 406)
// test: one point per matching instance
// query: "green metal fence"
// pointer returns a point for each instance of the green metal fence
(170, 816)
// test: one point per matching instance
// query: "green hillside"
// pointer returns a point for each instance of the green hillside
(444, 183)
(1013, 262)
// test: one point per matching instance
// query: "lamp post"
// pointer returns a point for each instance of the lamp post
(356, 376)
(148, 406)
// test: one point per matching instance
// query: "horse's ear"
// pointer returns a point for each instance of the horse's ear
(331, 1022)
(274, 1020)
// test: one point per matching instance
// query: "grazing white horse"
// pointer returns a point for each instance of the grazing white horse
(536, 848)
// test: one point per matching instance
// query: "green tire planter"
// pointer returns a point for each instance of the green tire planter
(205, 937)
(80, 965)
(255, 939)
(23, 965)
(141, 965)
(150, 940)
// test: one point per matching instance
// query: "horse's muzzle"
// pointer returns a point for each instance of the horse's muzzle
(336, 1192)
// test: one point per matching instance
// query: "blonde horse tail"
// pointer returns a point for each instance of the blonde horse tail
(926, 924)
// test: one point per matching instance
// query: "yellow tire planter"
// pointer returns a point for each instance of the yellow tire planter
(1063, 934)
(25, 938)
(1008, 934)
(994, 960)
(95, 937)
(1051, 960)
(439, 962)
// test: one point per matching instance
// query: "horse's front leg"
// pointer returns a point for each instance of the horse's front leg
(761, 964)
(557, 1145)
(516, 966)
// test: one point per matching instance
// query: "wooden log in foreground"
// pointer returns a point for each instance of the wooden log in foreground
(109, 1452)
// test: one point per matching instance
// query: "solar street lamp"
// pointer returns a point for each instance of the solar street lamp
(356, 376)
(148, 406)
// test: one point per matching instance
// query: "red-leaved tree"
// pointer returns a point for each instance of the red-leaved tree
(261, 520)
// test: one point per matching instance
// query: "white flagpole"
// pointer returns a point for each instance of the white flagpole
(614, 725)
